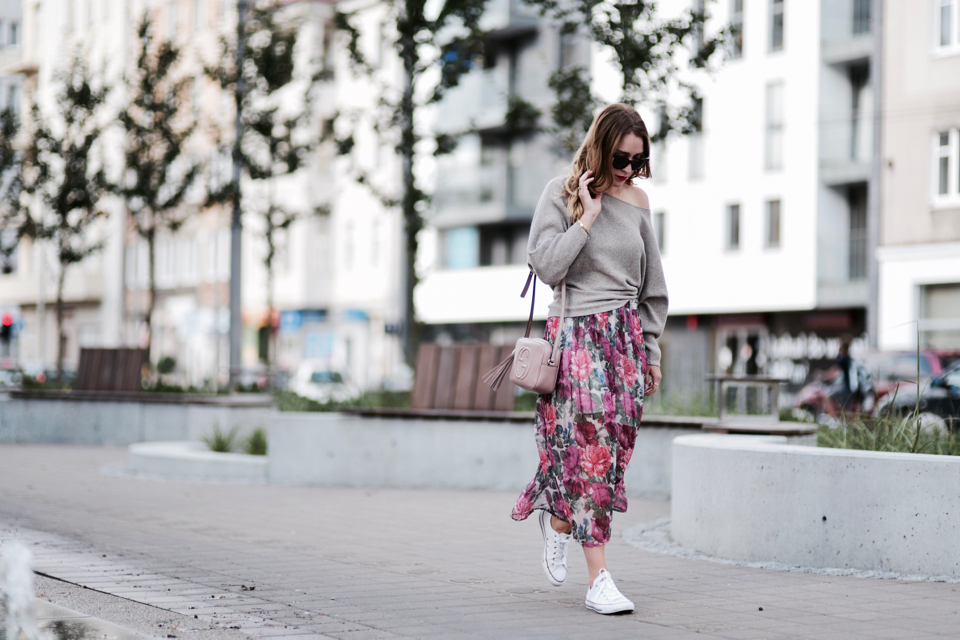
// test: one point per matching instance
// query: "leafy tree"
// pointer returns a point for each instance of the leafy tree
(277, 131)
(158, 173)
(10, 184)
(64, 179)
(649, 52)
(450, 41)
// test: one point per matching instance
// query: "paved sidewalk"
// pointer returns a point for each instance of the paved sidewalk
(328, 562)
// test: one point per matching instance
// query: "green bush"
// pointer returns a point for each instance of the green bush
(221, 442)
(166, 365)
(256, 444)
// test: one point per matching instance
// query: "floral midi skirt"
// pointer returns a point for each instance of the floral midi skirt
(586, 428)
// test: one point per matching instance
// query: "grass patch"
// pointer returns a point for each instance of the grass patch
(290, 401)
(256, 444)
(220, 441)
(888, 433)
(693, 405)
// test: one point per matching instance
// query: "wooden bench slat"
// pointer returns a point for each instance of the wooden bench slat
(425, 380)
(483, 395)
(467, 376)
(507, 393)
(446, 377)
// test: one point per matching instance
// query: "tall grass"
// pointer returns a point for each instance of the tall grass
(901, 434)
(221, 441)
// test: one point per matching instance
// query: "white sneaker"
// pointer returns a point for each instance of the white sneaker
(604, 597)
(554, 551)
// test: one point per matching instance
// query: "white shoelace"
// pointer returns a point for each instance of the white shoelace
(558, 548)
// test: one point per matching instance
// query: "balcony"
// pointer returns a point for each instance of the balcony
(508, 19)
(845, 32)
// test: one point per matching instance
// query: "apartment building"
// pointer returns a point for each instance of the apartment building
(763, 214)
(11, 87)
(919, 254)
(475, 248)
(334, 290)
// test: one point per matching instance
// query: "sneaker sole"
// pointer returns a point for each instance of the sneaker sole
(607, 610)
(543, 557)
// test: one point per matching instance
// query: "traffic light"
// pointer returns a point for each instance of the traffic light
(6, 327)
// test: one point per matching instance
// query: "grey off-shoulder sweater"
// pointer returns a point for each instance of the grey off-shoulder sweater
(618, 261)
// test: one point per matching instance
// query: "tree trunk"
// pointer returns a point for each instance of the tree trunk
(268, 263)
(151, 303)
(61, 337)
(413, 222)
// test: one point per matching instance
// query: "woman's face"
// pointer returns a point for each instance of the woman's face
(631, 146)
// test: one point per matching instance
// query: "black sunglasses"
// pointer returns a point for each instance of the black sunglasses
(621, 161)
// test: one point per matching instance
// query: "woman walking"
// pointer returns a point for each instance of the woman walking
(593, 228)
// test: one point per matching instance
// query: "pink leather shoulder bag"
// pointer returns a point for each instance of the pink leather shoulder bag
(534, 363)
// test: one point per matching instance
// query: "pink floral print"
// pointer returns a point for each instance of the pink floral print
(586, 429)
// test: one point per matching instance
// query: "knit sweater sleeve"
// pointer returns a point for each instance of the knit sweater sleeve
(554, 243)
(653, 292)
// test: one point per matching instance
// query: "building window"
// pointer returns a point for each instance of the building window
(945, 19)
(940, 315)
(772, 224)
(857, 201)
(695, 140)
(13, 98)
(861, 118)
(659, 229)
(461, 248)
(503, 244)
(735, 43)
(699, 8)
(733, 227)
(946, 168)
(199, 14)
(569, 50)
(861, 16)
(171, 19)
(773, 140)
(14, 36)
(776, 25)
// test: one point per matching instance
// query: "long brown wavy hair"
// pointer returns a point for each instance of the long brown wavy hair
(596, 153)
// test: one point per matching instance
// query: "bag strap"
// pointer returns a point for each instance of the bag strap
(563, 308)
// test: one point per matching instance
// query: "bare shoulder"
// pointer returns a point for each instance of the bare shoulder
(637, 196)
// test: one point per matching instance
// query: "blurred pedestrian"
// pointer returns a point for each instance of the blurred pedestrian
(593, 228)
(852, 387)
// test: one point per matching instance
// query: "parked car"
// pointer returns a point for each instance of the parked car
(10, 378)
(317, 381)
(895, 370)
(891, 372)
(939, 400)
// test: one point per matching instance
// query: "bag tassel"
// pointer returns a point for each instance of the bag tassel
(495, 376)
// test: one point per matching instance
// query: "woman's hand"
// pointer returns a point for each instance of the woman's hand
(652, 381)
(591, 205)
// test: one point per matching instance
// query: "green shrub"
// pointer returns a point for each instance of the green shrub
(166, 365)
(221, 442)
(256, 444)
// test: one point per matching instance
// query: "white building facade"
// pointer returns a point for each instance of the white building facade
(335, 289)
(919, 255)
(763, 214)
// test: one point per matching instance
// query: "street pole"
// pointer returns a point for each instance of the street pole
(236, 226)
